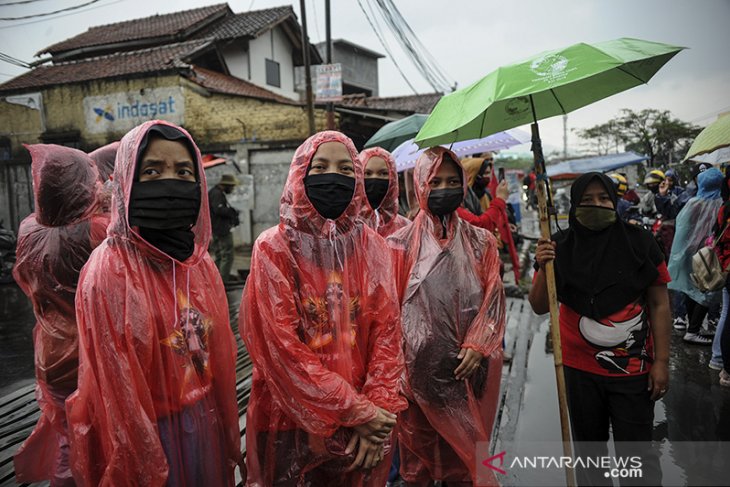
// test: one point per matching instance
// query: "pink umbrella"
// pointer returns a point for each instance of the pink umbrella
(406, 154)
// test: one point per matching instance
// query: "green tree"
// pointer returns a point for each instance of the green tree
(654, 133)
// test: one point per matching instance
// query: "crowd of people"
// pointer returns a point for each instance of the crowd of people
(367, 369)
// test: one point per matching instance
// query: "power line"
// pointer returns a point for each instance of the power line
(59, 16)
(385, 46)
(23, 2)
(14, 61)
(46, 14)
(412, 46)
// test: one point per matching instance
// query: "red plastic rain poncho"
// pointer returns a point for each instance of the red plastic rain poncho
(385, 219)
(156, 399)
(54, 243)
(104, 158)
(320, 319)
(452, 298)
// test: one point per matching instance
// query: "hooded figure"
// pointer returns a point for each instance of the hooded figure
(320, 319)
(104, 158)
(490, 212)
(693, 226)
(452, 300)
(156, 399)
(53, 245)
(383, 217)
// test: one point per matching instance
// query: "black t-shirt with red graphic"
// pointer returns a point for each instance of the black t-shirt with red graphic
(619, 344)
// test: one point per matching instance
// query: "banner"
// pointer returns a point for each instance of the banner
(329, 82)
(120, 112)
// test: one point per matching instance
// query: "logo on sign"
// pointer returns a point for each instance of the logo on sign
(105, 112)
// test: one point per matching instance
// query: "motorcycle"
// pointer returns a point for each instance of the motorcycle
(8, 241)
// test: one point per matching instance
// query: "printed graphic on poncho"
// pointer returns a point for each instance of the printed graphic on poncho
(326, 312)
(190, 337)
(620, 340)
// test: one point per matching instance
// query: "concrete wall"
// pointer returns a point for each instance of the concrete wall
(273, 45)
(357, 69)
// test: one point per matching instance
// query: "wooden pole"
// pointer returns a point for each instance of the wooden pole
(307, 68)
(542, 203)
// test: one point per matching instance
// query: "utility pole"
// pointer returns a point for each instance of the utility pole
(307, 68)
(328, 35)
(565, 137)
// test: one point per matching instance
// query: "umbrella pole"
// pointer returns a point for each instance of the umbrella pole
(542, 202)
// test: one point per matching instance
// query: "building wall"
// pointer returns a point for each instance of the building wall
(236, 57)
(357, 69)
(273, 45)
(216, 119)
(20, 125)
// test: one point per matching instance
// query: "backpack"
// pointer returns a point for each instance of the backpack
(707, 274)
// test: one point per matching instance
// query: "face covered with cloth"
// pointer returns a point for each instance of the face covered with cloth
(380, 209)
(452, 301)
(320, 319)
(156, 398)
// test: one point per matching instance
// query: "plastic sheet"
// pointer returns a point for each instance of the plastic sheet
(320, 319)
(385, 219)
(156, 398)
(693, 225)
(54, 243)
(452, 298)
(104, 158)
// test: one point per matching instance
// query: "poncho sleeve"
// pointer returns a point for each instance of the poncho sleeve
(111, 416)
(316, 398)
(486, 331)
(386, 363)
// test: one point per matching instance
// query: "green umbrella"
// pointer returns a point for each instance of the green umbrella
(393, 134)
(549, 84)
(713, 143)
(555, 82)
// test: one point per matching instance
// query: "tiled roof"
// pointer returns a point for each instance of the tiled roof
(247, 24)
(153, 60)
(156, 26)
(411, 104)
(222, 83)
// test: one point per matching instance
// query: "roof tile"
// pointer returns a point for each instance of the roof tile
(138, 29)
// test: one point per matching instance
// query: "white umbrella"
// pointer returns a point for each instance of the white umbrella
(407, 153)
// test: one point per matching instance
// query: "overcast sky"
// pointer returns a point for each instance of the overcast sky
(468, 38)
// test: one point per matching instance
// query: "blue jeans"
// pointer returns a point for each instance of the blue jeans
(716, 349)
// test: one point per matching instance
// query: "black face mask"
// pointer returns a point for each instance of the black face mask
(376, 190)
(165, 210)
(442, 202)
(330, 193)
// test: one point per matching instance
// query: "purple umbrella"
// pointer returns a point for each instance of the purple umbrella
(406, 154)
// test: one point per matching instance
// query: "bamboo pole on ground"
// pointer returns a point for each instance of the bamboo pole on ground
(542, 203)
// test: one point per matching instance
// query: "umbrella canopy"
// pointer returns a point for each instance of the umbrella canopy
(393, 134)
(549, 84)
(600, 163)
(713, 143)
(408, 152)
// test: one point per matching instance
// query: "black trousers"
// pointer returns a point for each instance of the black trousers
(695, 315)
(596, 402)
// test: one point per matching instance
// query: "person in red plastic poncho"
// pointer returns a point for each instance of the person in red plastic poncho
(104, 158)
(380, 208)
(54, 243)
(320, 319)
(156, 399)
(453, 317)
